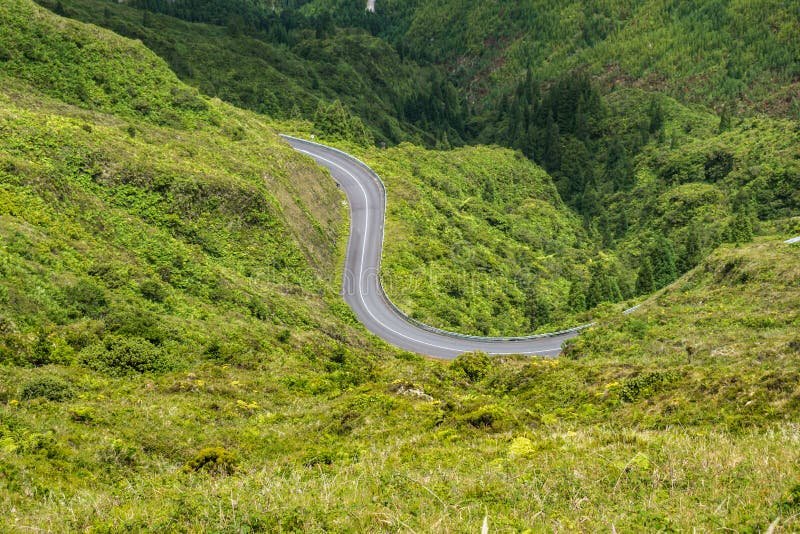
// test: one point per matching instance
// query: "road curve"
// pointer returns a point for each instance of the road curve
(361, 285)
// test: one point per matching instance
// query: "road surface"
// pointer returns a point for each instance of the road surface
(361, 285)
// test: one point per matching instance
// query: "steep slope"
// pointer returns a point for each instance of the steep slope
(477, 240)
(738, 310)
(709, 52)
(133, 218)
(283, 65)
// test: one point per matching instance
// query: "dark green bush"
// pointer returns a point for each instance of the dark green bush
(52, 388)
(152, 290)
(489, 417)
(42, 350)
(257, 309)
(86, 298)
(473, 365)
(119, 356)
(133, 322)
(82, 414)
(792, 501)
(214, 460)
(284, 335)
(645, 385)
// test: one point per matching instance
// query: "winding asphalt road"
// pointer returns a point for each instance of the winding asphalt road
(361, 286)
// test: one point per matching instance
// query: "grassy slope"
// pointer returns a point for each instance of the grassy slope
(739, 309)
(326, 426)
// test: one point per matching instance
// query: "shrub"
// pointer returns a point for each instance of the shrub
(521, 447)
(284, 335)
(119, 356)
(473, 365)
(257, 309)
(118, 452)
(133, 322)
(86, 297)
(52, 388)
(645, 385)
(215, 460)
(42, 350)
(153, 291)
(791, 501)
(113, 275)
(82, 414)
(489, 417)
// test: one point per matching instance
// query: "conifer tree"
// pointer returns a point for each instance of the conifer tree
(693, 252)
(662, 258)
(740, 228)
(576, 300)
(552, 148)
(656, 116)
(645, 282)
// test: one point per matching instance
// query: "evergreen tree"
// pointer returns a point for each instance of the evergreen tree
(618, 168)
(693, 252)
(656, 116)
(334, 121)
(576, 301)
(662, 258)
(604, 287)
(538, 310)
(724, 120)
(740, 228)
(552, 148)
(645, 282)
(42, 350)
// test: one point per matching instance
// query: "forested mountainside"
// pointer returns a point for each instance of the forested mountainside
(174, 354)
(287, 65)
(719, 53)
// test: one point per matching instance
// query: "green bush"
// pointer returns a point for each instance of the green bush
(473, 365)
(134, 322)
(82, 414)
(52, 388)
(489, 417)
(119, 356)
(791, 503)
(645, 385)
(86, 298)
(215, 460)
(152, 290)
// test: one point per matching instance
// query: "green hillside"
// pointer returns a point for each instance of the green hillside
(284, 66)
(716, 52)
(174, 355)
(477, 240)
(738, 310)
